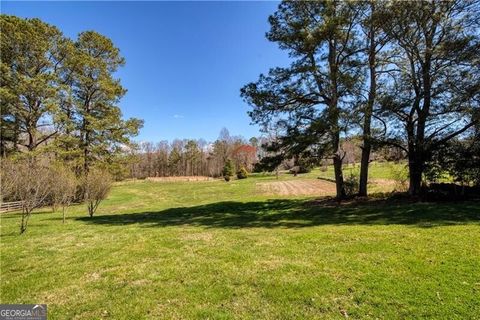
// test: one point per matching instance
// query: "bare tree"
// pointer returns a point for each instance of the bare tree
(7, 179)
(63, 187)
(96, 185)
(27, 180)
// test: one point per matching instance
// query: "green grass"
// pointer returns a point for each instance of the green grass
(222, 251)
(376, 170)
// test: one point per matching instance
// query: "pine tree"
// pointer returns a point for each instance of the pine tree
(228, 170)
(308, 101)
(31, 53)
(98, 120)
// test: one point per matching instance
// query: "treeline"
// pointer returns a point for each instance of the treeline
(192, 157)
(404, 74)
(59, 96)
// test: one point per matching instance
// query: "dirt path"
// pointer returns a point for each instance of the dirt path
(297, 188)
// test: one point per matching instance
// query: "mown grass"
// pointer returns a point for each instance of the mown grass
(223, 251)
(376, 170)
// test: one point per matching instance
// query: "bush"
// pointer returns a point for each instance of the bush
(228, 170)
(399, 174)
(242, 173)
(299, 169)
(352, 183)
(95, 186)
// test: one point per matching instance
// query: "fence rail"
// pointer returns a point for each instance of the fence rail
(10, 206)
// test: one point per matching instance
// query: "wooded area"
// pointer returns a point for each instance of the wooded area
(193, 157)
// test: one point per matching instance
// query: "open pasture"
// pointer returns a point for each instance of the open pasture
(222, 250)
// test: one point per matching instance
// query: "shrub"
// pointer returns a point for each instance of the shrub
(96, 185)
(351, 184)
(300, 169)
(399, 174)
(295, 170)
(242, 173)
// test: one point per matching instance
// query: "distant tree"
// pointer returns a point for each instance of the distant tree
(224, 135)
(253, 141)
(219, 155)
(244, 156)
(175, 159)
(192, 154)
(161, 161)
(228, 170)
(96, 186)
(308, 100)
(434, 94)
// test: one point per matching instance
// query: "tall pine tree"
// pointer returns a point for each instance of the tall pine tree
(308, 101)
(101, 131)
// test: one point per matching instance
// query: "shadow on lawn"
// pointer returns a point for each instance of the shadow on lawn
(290, 213)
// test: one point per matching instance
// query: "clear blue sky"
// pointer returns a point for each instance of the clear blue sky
(185, 61)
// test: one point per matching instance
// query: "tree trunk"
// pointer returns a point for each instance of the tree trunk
(362, 190)
(415, 179)
(23, 226)
(337, 166)
(31, 141)
(333, 115)
(90, 209)
(24, 223)
(85, 155)
(367, 144)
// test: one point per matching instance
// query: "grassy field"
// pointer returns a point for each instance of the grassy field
(221, 250)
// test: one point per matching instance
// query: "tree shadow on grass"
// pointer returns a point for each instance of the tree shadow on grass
(291, 213)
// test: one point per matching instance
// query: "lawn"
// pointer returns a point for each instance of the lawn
(376, 170)
(226, 251)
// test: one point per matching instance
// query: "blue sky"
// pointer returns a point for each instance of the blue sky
(185, 61)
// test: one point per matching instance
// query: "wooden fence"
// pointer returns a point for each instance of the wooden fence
(10, 206)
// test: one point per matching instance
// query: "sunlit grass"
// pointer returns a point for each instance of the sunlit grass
(223, 251)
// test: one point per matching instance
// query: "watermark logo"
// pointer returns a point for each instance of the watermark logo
(23, 311)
